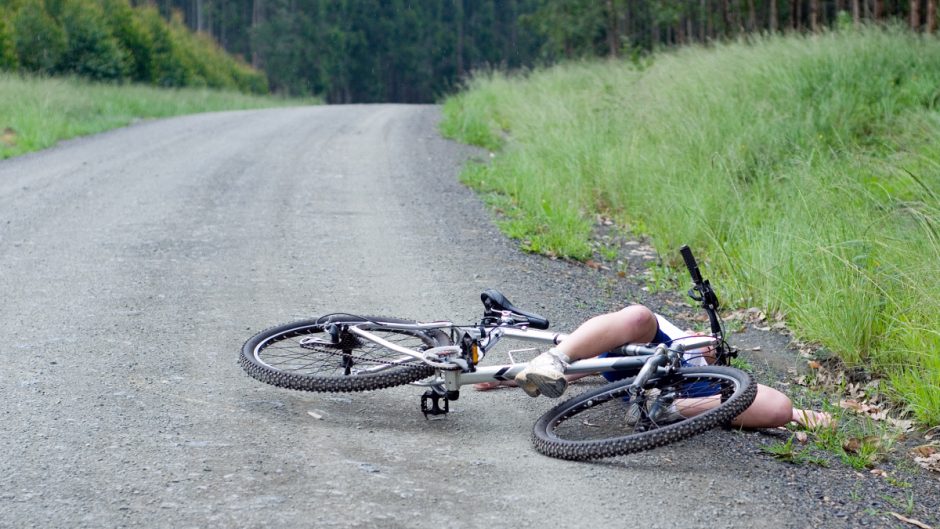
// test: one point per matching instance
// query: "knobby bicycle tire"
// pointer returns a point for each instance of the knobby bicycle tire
(276, 356)
(595, 424)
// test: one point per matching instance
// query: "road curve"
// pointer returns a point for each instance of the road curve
(133, 264)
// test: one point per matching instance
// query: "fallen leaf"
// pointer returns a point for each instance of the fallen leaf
(849, 404)
(931, 463)
(8, 137)
(592, 264)
(911, 521)
(802, 437)
(879, 472)
(813, 364)
(852, 444)
(926, 450)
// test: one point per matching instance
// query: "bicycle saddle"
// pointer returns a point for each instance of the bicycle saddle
(495, 302)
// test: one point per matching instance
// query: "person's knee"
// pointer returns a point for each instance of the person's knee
(639, 321)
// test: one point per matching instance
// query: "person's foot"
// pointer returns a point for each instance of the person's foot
(496, 384)
(813, 419)
(659, 413)
(544, 374)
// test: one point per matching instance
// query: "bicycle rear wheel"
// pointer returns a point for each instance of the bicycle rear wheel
(286, 356)
(600, 423)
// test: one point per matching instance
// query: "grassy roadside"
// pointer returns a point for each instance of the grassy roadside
(804, 169)
(37, 112)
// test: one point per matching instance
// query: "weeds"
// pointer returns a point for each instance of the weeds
(37, 112)
(790, 452)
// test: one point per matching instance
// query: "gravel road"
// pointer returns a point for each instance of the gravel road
(133, 264)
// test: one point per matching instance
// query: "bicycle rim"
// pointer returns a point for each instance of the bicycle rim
(600, 423)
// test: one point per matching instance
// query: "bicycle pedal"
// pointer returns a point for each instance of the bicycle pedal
(431, 405)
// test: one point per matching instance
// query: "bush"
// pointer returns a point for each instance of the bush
(91, 50)
(168, 68)
(133, 37)
(7, 49)
(109, 40)
(38, 39)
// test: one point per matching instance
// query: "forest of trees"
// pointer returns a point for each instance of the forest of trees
(414, 51)
(387, 50)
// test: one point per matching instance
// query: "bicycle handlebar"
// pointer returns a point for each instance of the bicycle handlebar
(691, 264)
(704, 291)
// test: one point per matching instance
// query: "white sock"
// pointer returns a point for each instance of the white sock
(554, 351)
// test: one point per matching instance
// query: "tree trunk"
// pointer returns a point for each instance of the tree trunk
(876, 10)
(814, 15)
(726, 13)
(458, 51)
(931, 16)
(628, 24)
(856, 13)
(774, 21)
(613, 36)
(514, 31)
(702, 14)
(257, 17)
(915, 14)
(751, 16)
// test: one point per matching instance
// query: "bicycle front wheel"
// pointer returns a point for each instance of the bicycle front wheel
(300, 356)
(606, 422)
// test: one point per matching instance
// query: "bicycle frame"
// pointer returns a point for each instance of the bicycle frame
(457, 372)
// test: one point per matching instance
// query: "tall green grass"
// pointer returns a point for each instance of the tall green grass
(805, 169)
(37, 112)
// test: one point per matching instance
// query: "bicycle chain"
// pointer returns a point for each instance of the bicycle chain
(363, 359)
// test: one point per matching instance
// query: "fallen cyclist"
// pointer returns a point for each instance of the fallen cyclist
(545, 374)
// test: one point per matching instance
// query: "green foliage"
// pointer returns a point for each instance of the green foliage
(167, 65)
(91, 51)
(8, 60)
(804, 169)
(573, 28)
(40, 111)
(109, 40)
(790, 452)
(39, 40)
(129, 30)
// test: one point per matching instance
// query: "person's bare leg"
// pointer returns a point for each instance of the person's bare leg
(633, 324)
(770, 409)
(544, 374)
(496, 384)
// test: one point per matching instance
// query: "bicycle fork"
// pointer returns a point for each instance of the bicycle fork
(661, 358)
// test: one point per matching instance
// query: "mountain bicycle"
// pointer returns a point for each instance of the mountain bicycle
(342, 352)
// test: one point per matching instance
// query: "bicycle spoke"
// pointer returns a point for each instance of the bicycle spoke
(289, 355)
